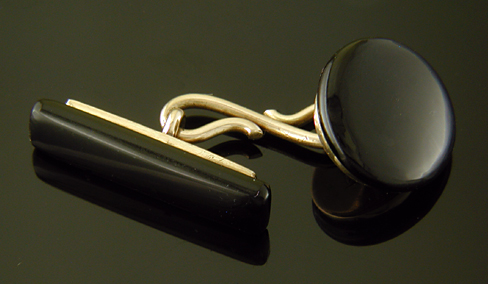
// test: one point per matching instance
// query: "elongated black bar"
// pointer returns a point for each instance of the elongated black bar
(150, 167)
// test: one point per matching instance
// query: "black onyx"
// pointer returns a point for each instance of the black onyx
(385, 115)
(149, 167)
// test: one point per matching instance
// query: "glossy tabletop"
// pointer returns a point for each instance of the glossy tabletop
(64, 225)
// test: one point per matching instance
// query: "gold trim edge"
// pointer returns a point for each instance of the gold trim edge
(161, 137)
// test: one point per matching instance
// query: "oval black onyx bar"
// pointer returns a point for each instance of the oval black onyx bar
(150, 167)
(385, 115)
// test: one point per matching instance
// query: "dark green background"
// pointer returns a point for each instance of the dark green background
(131, 57)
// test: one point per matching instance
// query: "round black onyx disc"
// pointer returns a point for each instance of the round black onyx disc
(385, 115)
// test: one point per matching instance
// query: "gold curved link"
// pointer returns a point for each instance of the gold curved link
(296, 119)
(274, 127)
(231, 124)
(173, 122)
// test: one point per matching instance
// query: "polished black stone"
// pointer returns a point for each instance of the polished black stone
(150, 167)
(385, 114)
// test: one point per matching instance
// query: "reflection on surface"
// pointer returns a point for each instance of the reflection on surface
(355, 214)
(252, 249)
(236, 147)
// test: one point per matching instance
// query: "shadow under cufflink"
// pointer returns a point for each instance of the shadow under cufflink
(249, 248)
(236, 147)
(359, 215)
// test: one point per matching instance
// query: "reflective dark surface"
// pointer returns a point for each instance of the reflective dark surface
(151, 167)
(131, 57)
(360, 215)
(249, 248)
(386, 114)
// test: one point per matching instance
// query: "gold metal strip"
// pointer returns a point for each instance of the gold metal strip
(161, 137)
